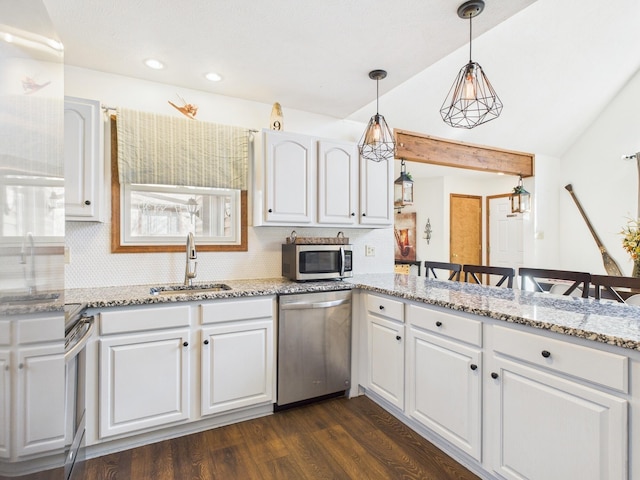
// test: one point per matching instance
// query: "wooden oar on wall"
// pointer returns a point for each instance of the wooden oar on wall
(610, 264)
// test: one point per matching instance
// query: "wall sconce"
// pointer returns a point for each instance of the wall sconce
(403, 188)
(520, 199)
(427, 232)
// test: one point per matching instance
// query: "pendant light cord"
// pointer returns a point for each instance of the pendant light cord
(377, 95)
(470, 37)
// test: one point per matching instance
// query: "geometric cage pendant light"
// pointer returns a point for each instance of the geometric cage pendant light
(471, 101)
(377, 141)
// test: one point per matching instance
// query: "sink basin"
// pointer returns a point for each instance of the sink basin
(187, 289)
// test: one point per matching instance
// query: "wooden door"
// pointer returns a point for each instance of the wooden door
(465, 229)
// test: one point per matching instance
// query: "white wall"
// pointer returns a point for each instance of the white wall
(606, 186)
(92, 264)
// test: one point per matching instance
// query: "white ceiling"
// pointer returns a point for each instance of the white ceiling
(310, 56)
(554, 63)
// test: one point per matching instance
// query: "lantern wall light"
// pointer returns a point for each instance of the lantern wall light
(520, 199)
(403, 188)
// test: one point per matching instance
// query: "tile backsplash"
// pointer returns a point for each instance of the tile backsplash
(91, 263)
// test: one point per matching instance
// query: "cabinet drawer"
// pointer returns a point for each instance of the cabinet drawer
(146, 318)
(593, 365)
(385, 307)
(34, 330)
(453, 326)
(230, 310)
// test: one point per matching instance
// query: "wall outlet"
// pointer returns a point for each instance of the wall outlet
(369, 251)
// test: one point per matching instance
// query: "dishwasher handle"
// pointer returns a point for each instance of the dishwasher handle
(309, 305)
(73, 351)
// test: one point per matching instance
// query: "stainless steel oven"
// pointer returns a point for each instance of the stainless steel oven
(78, 329)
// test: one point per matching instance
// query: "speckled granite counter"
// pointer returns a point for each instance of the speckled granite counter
(610, 323)
(606, 322)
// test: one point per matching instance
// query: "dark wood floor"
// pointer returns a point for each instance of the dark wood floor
(333, 439)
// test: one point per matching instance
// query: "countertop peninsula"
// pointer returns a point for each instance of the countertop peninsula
(601, 321)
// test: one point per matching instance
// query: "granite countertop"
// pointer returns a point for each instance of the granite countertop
(606, 322)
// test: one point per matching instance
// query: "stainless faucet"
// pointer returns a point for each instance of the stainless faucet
(189, 275)
(30, 277)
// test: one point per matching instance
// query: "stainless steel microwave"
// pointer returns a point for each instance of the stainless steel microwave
(302, 262)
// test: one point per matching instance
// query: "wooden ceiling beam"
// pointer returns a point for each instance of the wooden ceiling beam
(422, 148)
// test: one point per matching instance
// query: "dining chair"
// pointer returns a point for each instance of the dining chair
(621, 289)
(580, 280)
(453, 268)
(505, 273)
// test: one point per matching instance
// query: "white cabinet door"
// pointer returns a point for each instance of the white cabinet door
(376, 192)
(144, 381)
(83, 159)
(337, 182)
(5, 403)
(386, 359)
(40, 424)
(289, 174)
(444, 389)
(549, 428)
(237, 365)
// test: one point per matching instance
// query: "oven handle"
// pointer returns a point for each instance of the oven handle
(306, 305)
(73, 351)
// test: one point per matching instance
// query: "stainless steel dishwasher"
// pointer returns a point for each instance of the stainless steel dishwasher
(314, 345)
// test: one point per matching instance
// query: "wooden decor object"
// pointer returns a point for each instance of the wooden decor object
(422, 148)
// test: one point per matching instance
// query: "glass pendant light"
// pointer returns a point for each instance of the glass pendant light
(520, 199)
(472, 100)
(377, 142)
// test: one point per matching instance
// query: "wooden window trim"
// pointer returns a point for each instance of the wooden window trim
(117, 247)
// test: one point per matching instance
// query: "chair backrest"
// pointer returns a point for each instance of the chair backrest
(580, 279)
(505, 273)
(618, 288)
(453, 268)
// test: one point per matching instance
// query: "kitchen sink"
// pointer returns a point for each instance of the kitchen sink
(187, 289)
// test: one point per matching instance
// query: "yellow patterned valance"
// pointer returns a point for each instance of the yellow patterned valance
(163, 150)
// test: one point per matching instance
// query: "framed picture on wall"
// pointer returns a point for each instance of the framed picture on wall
(404, 230)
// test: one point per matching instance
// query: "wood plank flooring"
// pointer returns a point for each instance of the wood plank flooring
(332, 439)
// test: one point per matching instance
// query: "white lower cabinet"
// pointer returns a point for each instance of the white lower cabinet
(237, 363)
(144, 381)
(444, 389)
(40, 391)
(154, 363)
(548, 419)
(510, 402)
(547, 427)
(385, 330)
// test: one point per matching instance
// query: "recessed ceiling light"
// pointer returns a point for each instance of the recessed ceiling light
(213, 76)
(153, 63)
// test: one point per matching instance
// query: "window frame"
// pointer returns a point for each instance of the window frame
(117, 245)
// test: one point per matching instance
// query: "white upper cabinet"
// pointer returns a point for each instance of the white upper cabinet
(289, 166)
(307, 181)
(376, 192)
(83, 160)
(337, 182)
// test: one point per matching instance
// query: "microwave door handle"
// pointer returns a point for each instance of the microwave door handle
(342, 261)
